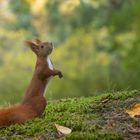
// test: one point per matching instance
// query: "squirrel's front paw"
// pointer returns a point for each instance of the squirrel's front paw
(60, 75)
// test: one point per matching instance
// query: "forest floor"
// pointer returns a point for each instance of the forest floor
(102, 117)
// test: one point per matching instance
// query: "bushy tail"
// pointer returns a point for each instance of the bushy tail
(16, 114)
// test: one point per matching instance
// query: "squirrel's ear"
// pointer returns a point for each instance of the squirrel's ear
(38, 41)
(33, 46)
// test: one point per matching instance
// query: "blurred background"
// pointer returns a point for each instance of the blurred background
(97, 45)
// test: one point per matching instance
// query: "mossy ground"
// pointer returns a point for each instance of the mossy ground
(94, 118)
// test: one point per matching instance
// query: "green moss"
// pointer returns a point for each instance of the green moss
(83, 115)
(96, 136)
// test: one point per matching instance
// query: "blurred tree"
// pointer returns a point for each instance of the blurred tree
(23, 15)
(98, 45)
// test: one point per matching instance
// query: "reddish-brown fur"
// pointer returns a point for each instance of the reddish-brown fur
(34, 102)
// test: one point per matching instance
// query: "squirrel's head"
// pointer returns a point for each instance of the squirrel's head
(41, 49)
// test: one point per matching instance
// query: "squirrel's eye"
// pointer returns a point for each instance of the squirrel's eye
(42, 46)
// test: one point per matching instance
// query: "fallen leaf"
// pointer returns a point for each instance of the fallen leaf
(63, 130)
(105, 101)
(134, 111)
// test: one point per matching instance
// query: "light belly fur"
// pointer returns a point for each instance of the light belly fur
(51, 67)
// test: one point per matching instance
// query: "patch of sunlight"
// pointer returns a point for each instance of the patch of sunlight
(58, 53)
(102, 58)
(8, 59)
(67, 6)
(102, 37)
(12, 34)
(5, 12)
(88, 39)
(96, 4)
(37, 6)
(126, 38)
(26, 59)
(102, 33)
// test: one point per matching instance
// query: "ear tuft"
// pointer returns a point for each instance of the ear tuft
(30, 43)
(38, 41)
(33, 46)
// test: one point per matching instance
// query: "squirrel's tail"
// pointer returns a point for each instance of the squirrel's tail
(16, 114)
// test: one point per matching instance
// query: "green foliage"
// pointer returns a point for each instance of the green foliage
(97, 45)
(102, 136)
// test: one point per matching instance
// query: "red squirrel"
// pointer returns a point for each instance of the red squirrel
(34, 102)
